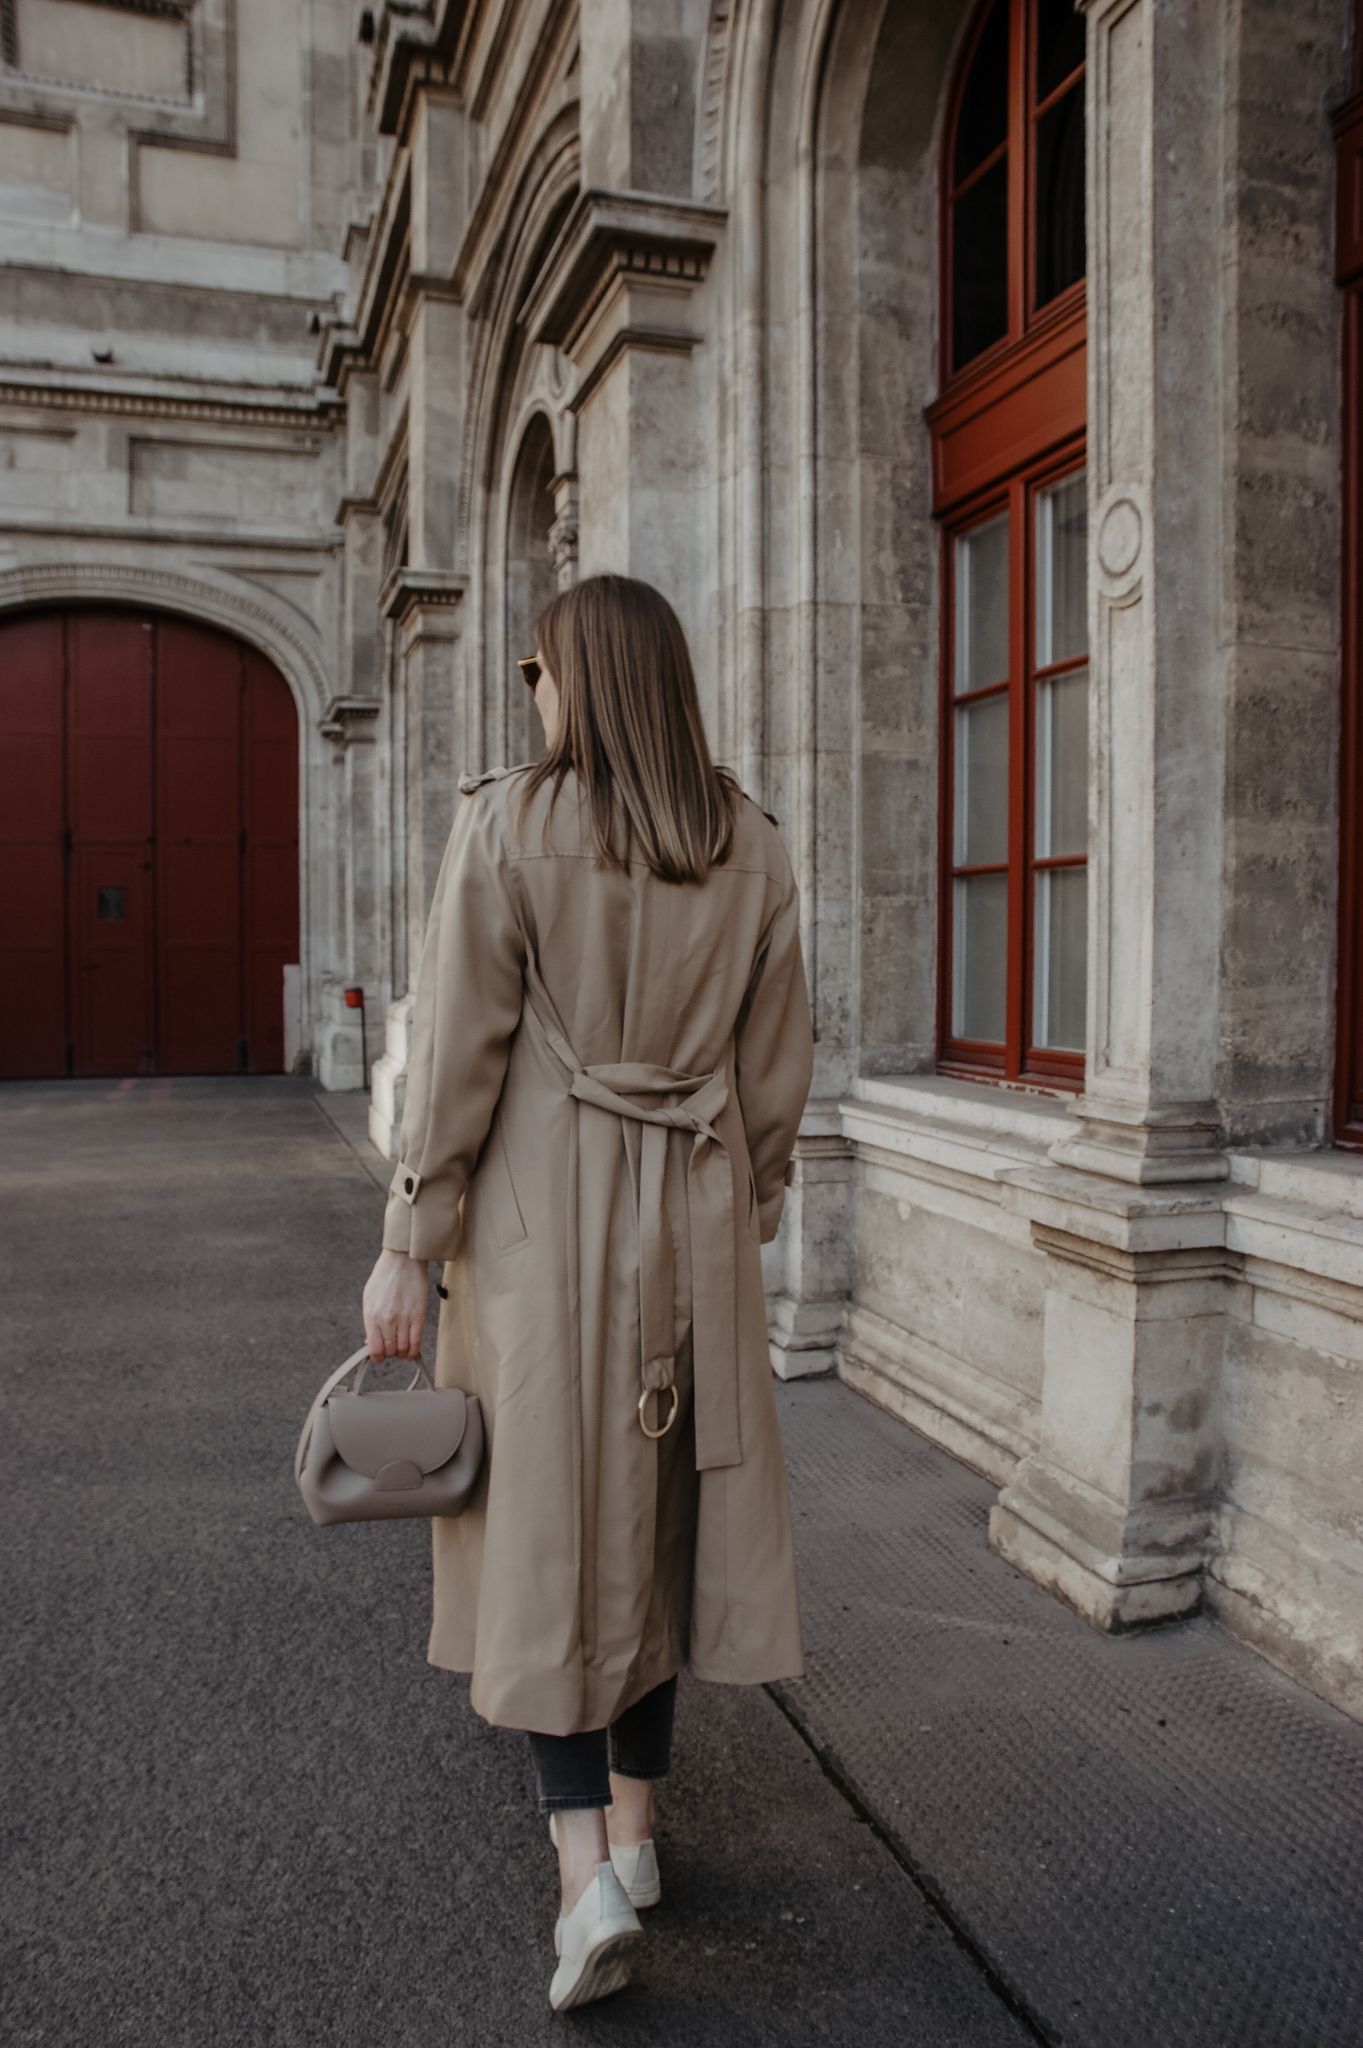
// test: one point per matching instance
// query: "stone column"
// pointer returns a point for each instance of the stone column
(425, 606)
(1114, 1508)
(423, 599)
(350, 723)
(1148, 1112)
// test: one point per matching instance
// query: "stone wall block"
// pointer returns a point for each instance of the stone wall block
(805, 1267)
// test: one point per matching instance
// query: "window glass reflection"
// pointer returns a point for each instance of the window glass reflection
(983, 121)
(981, 808)
(1062, 626)
(979, 952)
(1060, 959)
(982, 606)
(1061, 250)
(1059, 44)
(1062, 747)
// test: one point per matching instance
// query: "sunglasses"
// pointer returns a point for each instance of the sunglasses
(530, 670)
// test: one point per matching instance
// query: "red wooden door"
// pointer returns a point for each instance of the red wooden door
(151, 841)
(32, 829)
(112, 827)
(198, 773)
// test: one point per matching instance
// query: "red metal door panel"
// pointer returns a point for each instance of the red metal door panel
(270, 876)
(199, 686)
(110, 808)
(32, 939)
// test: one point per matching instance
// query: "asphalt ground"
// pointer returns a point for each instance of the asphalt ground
(239, 1807)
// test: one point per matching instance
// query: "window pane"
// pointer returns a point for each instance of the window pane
(1059, 44)
(1062, 625)
(982, 607)
(1062, 748)
(1060, 246)
(983, 122)
(979, 266)
(979, 957)
(981, 809)
(1060, 957)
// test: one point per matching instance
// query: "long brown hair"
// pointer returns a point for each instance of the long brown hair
(630, 729)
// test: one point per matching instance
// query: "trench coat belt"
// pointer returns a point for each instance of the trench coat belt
(710, 1207)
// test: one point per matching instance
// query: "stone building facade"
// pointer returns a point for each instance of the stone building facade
(976, 380)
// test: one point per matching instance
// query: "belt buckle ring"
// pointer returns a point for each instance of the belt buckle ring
(654, 1434)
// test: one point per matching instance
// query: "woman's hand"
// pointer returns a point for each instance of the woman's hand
(395, 1306)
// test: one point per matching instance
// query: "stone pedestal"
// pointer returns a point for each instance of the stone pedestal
(1114, 1509)
(388, 1079)
(806, 1266)
(340, 1042)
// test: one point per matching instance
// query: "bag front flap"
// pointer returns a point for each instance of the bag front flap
(425, 1427)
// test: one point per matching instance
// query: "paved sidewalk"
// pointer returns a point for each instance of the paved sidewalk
(240, 1808)
(1156, 1840)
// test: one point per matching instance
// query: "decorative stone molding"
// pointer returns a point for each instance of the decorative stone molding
(718, 41)
(350, 720)
(323, 412)
(563, 532)
(619, 277)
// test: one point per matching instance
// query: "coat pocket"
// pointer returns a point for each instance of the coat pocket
(499, 1192)
(754, 1214)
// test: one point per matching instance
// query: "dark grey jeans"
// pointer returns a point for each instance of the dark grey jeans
(573, 1770)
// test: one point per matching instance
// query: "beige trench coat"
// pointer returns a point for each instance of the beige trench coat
(607, 1076)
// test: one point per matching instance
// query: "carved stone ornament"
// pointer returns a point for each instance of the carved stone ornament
(1119, 537)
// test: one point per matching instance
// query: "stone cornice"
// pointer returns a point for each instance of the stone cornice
(415, 46)
(349, 719)
(306, 411)
(621, 237)
(410, 590)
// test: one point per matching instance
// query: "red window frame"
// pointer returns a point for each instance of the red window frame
(1007, 424)
(1348, 123)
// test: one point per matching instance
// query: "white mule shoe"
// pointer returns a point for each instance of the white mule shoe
(636, 1866)
(593, 1943)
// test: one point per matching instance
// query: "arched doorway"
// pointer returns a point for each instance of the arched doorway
(530, 579)
(151, 845)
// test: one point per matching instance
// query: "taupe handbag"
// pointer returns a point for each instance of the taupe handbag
(373, 1457)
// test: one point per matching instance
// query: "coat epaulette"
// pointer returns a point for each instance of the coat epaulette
(468, 783)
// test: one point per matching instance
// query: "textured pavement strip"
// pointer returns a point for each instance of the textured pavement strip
(239, 1807)
(1156, 1839)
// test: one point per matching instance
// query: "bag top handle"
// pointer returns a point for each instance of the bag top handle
(364, 1361)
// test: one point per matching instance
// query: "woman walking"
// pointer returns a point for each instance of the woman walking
(611, 1053)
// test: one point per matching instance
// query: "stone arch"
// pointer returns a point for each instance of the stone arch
(169, 590)
(833, 131)
(530, 579)
(511, 382)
